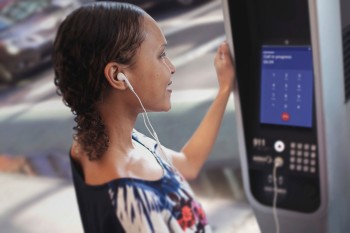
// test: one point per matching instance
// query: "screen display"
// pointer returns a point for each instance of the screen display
(286, 86)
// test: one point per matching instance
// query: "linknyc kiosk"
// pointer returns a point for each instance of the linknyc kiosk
(292, 101)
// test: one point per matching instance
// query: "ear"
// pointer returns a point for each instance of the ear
(111, 71)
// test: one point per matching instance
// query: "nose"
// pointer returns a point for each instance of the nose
(171, 66)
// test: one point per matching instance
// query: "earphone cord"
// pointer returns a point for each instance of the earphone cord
(153, 133)
(275, 194)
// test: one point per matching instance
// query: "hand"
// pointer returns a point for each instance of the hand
(224, 67)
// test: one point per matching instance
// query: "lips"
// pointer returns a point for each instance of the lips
(168, 89)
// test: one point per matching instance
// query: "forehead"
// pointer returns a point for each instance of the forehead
(153, 34)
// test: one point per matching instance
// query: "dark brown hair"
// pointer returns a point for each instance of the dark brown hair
(87, 40)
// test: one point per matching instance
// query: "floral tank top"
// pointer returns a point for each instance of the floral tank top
(140, 206)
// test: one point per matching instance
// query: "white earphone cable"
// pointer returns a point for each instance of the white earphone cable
(275, 195)
(153, 133)
(278, 162)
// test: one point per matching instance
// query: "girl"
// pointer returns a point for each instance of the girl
(110, 64)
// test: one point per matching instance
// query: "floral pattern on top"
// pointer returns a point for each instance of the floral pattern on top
(161, 206)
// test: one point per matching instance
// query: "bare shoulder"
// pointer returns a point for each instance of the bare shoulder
(76, 151)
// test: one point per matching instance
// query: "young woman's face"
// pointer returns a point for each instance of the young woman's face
(151, 73)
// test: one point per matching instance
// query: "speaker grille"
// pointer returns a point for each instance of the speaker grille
(346, 46)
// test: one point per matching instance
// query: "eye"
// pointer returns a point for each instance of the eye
(163, 54)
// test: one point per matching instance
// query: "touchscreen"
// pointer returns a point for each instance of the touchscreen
(286, 86)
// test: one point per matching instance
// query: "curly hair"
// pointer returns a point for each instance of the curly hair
(86, 41)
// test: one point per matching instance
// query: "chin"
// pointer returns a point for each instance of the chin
(166, 108)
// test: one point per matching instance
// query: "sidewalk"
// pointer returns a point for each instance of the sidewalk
(41, 133)
(37, 204)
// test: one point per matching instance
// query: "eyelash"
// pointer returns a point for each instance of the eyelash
(163, 54)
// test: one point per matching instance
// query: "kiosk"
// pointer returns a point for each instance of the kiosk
(292, 102)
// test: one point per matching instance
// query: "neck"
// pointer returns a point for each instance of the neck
(119, 119)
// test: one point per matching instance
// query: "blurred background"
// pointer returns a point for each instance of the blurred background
(36, 192)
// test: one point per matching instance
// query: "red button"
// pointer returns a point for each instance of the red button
(285, 116)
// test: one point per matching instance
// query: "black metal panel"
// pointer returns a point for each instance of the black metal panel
(345, 20)
(256, 23)
(346, 54)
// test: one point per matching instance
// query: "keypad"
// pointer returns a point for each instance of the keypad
(303, 157)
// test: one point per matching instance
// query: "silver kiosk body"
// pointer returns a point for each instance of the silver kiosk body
(292, 101)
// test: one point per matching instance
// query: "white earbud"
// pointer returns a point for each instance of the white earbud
(122, 77)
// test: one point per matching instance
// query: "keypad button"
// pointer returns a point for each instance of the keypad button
(292, 167)
(292, 159)
(299, 160)
(306, 154)
(299, 153)
(292, 152)
(313, 155)
(300, 146)
(306, 161)
(292, 145)
(305, 168)
(312, 169)
(306, 146)
(313, 162)
(299, 167)
(313, 147)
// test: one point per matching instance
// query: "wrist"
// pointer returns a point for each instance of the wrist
(226, 91)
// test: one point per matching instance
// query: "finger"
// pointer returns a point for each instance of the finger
(223, 50)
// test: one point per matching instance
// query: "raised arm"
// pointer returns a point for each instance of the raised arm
(195, 152)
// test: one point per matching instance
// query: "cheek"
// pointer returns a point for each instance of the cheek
(154, 78)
